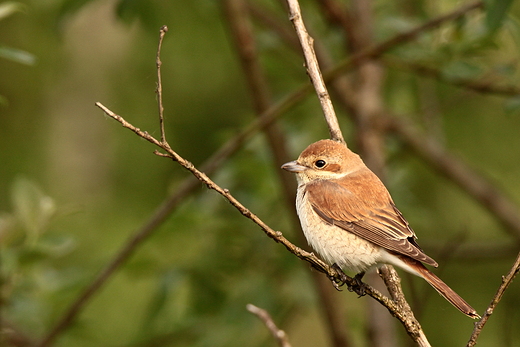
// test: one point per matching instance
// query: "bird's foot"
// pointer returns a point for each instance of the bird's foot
(358, 287)
(342, 278)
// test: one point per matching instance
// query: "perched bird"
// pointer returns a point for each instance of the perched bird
(349, 218)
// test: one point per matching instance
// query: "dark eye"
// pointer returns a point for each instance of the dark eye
(320, 163)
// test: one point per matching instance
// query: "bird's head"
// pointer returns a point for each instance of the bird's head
(325, 159)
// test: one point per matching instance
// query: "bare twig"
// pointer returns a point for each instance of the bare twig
(506, 281)
(158, 63)
(314, 71)
(279, 335)
(166, 208)
(214, 163)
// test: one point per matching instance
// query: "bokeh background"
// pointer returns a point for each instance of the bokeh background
(75, 185)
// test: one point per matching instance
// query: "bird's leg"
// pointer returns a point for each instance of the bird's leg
(342, 280)
(359, 286)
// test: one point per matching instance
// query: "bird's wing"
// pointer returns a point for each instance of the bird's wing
(366, 211)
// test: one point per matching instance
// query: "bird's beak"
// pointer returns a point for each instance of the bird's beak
(293, 166)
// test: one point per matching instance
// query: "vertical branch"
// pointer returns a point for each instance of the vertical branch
(314, 71)
(158, 63)
(237, 13)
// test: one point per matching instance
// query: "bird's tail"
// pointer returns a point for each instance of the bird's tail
(442, 288)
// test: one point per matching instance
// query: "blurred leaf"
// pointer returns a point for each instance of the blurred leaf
(496, 13)
(32, 208)
(17, 55)
(10, 7)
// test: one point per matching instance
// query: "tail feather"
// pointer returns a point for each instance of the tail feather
(442, 288)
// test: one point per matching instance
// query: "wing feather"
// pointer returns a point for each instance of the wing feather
(366, 211)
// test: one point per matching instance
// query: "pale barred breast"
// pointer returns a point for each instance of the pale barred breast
(333, 244)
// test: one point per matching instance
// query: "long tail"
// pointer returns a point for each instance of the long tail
(441, 287)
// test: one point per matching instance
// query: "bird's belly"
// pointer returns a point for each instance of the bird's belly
(336, 245)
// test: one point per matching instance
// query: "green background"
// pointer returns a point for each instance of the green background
(74, 185)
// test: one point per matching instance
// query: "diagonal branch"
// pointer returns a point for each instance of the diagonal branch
(506, 281)
(277, 236)
(279, 335)
(314, 71)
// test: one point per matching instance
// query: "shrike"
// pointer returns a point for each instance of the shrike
(349, 218)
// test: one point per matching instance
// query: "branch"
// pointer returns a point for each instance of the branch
(279, 335)
(158, 63)
(393, 283)
(212, 164)
(314, 71)
(318, 264)
(165, 209)
(506, 281)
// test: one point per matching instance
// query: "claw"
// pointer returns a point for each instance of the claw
(359, 287)
(343, 278)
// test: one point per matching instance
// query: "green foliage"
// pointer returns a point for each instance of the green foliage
(496, 13)
(189, 282)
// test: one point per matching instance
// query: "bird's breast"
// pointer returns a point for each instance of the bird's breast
(332, 243)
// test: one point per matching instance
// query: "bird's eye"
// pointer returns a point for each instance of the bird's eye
(320, 163)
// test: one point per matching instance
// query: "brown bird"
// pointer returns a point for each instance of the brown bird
(349, 218)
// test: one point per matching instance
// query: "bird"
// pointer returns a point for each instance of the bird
(349, 218)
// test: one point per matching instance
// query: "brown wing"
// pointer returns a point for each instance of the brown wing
(360, 210)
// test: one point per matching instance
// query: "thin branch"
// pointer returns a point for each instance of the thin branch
(277, 236)
(314, 71)
(279, 335)
(216, 161)
(158, 63)
(393, 283)
(506, 281)
(165, 209)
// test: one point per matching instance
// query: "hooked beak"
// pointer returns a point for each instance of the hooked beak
(293, 166)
